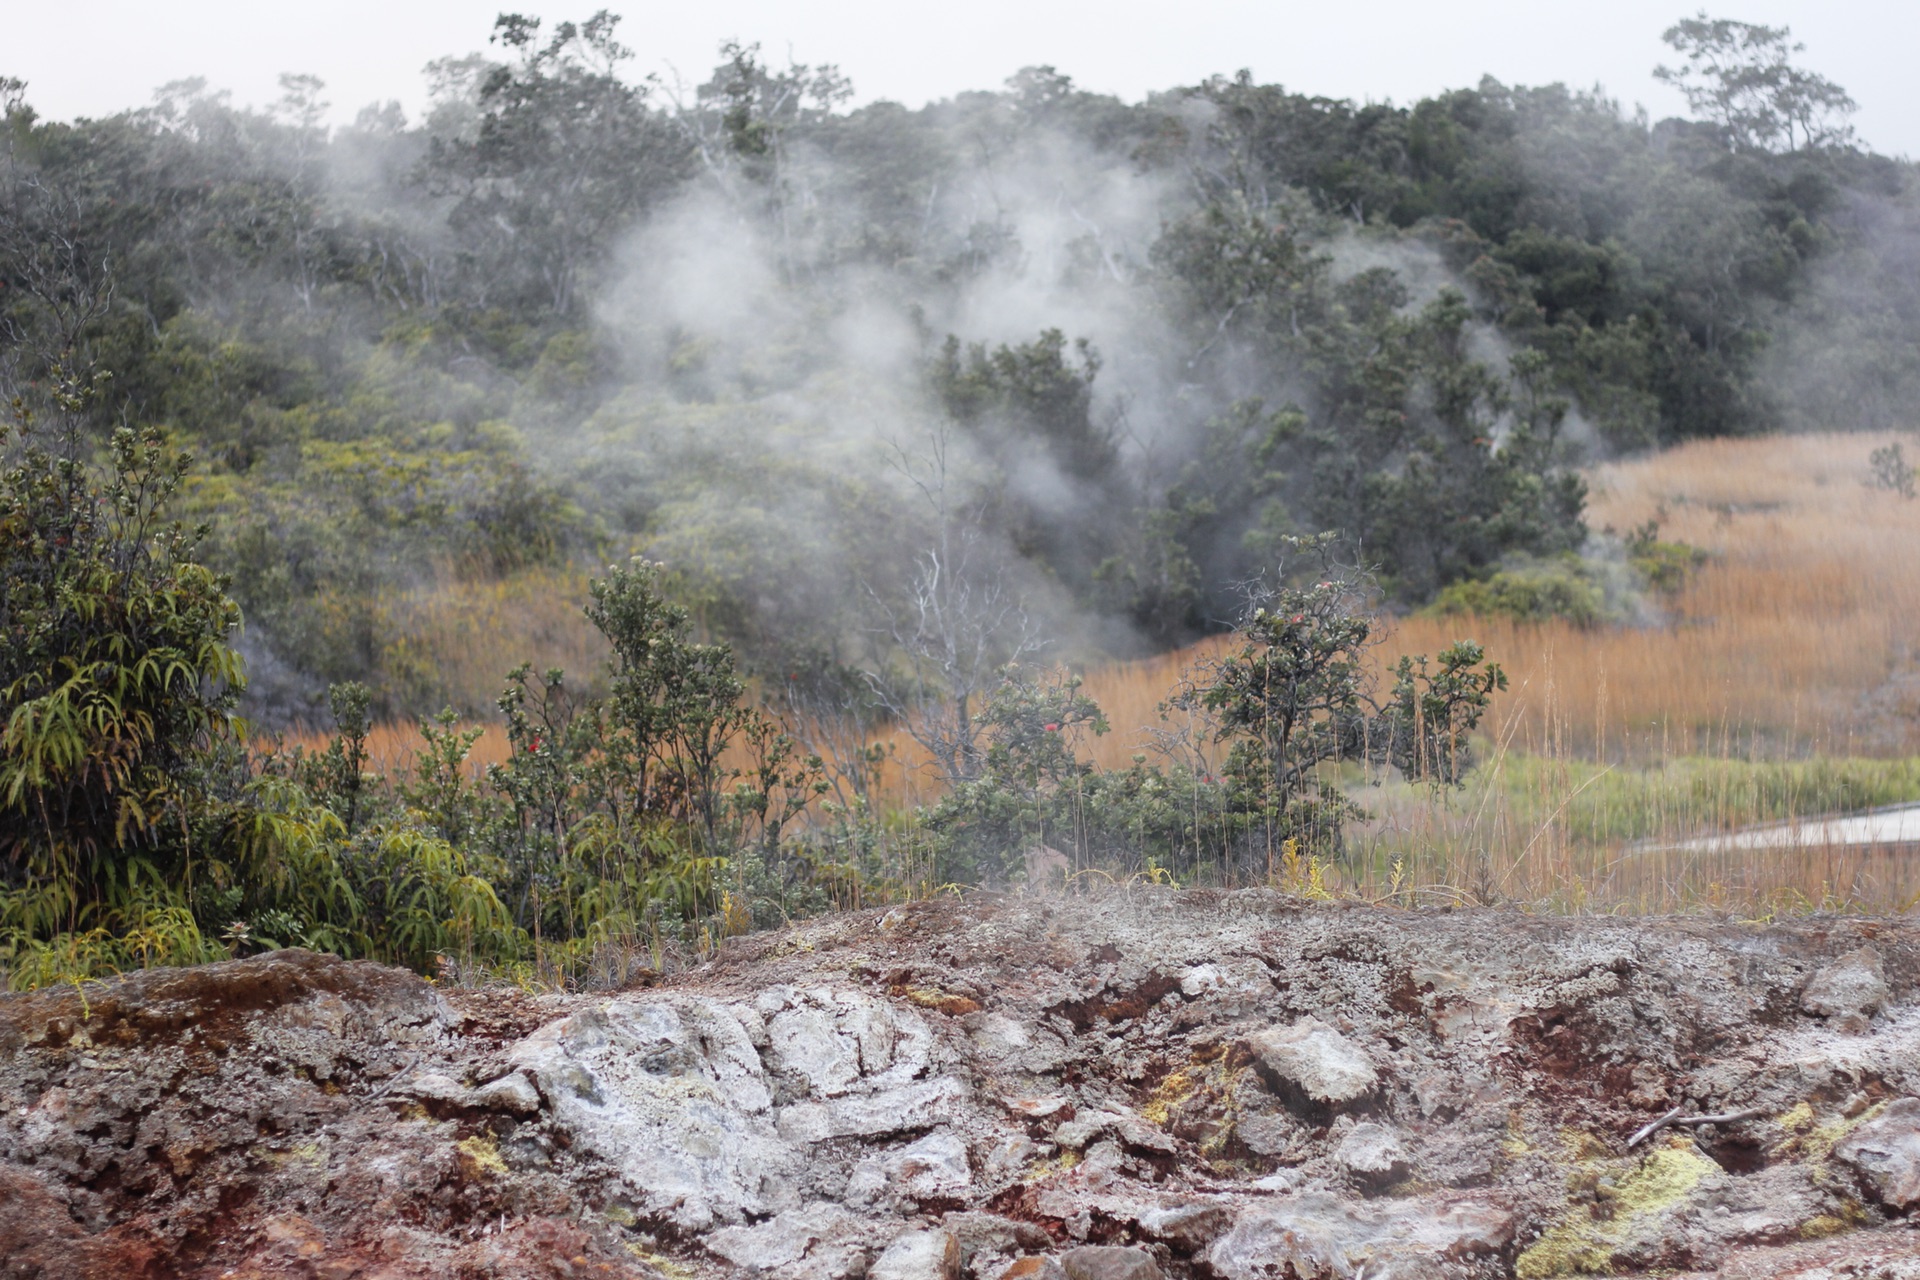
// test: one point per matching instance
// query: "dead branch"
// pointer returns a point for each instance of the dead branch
(1673, 1119)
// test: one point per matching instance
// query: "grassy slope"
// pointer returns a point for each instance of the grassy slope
(1784, 680)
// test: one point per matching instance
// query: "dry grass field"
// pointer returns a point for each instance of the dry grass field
(1800, 636)
(1783, 679)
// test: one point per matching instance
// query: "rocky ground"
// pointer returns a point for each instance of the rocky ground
(1153, 1084)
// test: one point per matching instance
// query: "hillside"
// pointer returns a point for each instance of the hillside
(1107, 354)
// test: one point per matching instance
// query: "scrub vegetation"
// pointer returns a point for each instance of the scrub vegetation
(657, 511)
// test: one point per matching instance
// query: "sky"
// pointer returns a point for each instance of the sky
(95, 57)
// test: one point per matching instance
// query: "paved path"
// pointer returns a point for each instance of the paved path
(1898, 824)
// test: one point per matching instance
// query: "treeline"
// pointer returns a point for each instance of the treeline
(790, 346)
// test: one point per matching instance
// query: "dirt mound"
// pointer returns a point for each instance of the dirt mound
(1156, 1084)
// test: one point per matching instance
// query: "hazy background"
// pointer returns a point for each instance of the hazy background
(95, 57)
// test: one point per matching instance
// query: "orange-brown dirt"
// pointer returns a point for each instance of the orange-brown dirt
(1149, 1083)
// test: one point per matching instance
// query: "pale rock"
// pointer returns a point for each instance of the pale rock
(431, 1086)
(1131, 1129)
(1278, 1180)
(1201, 980)
(837, 1041)
(1187, 1227)
(512, 1093)
(1103, 1164)
(1034, 1268)
(1317, 1234)
(1047, 1108)
(1372, 1153)
(805, 1042)
(1026, 1046)
(932, 1168)
(978, 1231)
(1265, 1128)
(935, 1166)
(1107, 1262)
(670, 1091)
(1306, 1236)
(920, 1105)
(817, 1242)
(1008, 1157)
(1886, 1152)
(1075, 1134)
(1317, 1059)
(1849, 991)
(919, 1255)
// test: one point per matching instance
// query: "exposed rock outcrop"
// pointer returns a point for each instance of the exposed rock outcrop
(1157, 1084)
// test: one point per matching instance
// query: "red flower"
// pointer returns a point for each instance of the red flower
(1052, 728)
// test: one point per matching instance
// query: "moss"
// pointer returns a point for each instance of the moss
(1582, 1145)
(479, 1156)
(1796, 1119)
(1826, 1137)
(1172, 1091)
(1043, 1169)
(664, 1265)
(307, 1153)
(1515, 1144)
(1581, 1244)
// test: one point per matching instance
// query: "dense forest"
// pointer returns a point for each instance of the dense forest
(887, 399)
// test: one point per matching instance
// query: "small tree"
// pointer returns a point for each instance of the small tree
(942, 649)
(1030, 776)
(674, 705)
(1892, 471)
(1298, 694)
(117, 680)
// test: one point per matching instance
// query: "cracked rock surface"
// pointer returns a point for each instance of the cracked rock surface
(1152, 1084)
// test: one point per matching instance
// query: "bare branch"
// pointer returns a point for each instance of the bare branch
(1674, 1120)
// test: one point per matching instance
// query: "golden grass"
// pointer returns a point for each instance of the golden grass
(458, 639)
(1800, 636)
(1798, 639)
(391, 747)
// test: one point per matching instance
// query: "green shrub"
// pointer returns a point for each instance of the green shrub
(117, 683)
(1557, 589)
(1663, 566)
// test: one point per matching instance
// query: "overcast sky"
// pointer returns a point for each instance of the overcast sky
(94, 57)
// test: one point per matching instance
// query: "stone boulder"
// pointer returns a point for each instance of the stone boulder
(1849, 991)
(1106, 1262)
(1373, 1154)
(1885, 1151)
(1317, 1234)
(819, 1241)
(1317, 1060)
(671, 1092)
(919, 1255)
